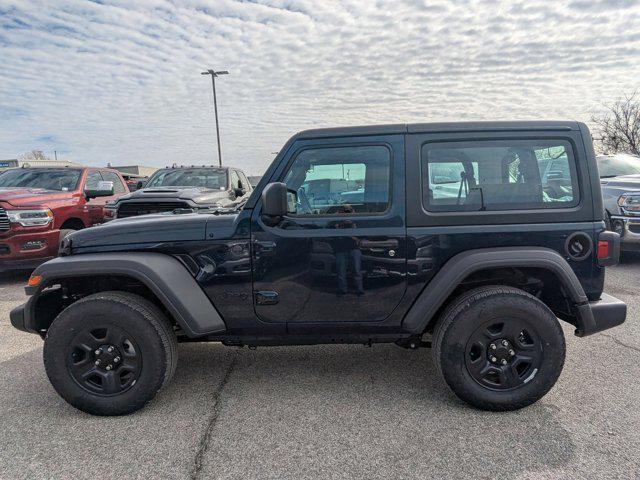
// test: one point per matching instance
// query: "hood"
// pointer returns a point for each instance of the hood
(196, 194)
(20, 196)
(623, 182)
(150, 230)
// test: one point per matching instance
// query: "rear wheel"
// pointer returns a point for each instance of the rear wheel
(499, 348)
(110, 353)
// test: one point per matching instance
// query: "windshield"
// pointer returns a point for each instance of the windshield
(47, 178)
(618, 165)
(213, 178)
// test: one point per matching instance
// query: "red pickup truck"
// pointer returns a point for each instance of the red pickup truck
(40, 206)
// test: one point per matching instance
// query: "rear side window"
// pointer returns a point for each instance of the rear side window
(498, 175)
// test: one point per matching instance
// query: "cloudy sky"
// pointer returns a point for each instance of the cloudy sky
(119, 81)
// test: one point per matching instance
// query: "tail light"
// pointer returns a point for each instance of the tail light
(608, 249)
(603, 250)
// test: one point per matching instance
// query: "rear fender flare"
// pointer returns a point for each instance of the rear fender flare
(455, 270)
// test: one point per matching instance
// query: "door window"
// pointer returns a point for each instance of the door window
(93, 178)
(498, 175)
(245, 182)
(341, 180)
(235, 180)
(117, 184)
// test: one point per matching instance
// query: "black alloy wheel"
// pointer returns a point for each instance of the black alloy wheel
(104, 360)
(504, 355)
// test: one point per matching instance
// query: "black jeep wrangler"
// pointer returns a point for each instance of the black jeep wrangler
(451, 235)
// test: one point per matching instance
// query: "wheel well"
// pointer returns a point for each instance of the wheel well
(73, 223)
(539, 282)
(63, 292)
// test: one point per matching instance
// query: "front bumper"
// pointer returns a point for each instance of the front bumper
(39, 307)
(629, 230)
(28, 249)
(17, 317)
(599, 315)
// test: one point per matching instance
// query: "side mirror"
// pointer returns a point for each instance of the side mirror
(274, 200)
(103, 189)
(139, 185)
(277, 200)
(239, 192)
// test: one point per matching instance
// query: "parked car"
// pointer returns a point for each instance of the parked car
(620, 180)
(40, 206)
(184, 188)
(482, 276)
(133, 181)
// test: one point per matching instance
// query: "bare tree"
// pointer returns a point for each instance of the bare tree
(619, 125)
(34, 155)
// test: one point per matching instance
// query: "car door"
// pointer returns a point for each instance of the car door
(94, 205)
(341, 257)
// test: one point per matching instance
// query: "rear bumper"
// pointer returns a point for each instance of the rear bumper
(608, 312)
(629, 230)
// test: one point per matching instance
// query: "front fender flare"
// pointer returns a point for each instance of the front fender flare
(164, 275)
(454, 271)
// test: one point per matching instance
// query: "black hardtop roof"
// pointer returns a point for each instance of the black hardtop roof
(438, 128)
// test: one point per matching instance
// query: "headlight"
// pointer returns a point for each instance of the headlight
(239, 250)
(110, 211)
(31, 218)
(630, 203)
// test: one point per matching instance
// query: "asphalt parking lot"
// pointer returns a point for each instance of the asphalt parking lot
(328, 412)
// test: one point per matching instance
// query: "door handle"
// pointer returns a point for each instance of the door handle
(266, 297)
(265, 246)
(378, 245)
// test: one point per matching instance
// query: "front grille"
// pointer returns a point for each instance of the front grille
(4, 250)
(132, 209)
(4, 220)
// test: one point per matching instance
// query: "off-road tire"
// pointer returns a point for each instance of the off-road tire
(142, 321)
(466, 314)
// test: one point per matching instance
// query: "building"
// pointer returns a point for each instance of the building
(10, 163)
(135, 170)
(14, 162)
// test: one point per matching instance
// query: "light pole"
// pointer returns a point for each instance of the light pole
(214, 74)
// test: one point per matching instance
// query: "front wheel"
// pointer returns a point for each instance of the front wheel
(110, 353)
(499, 348)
